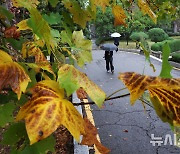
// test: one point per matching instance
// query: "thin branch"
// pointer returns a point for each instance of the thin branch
(111, 98)
(115, 92)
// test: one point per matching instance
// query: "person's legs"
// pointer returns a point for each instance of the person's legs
(112, 67)
(107, 65)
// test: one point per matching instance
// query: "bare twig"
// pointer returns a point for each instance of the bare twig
(111, 98)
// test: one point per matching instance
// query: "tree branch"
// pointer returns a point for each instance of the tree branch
(90, 103)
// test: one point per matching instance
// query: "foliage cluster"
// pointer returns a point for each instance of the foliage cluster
(174, 45)
(157, 35)
(137, 36)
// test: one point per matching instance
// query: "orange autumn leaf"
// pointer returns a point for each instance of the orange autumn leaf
(81, 94)
(32, 49)
(47, 110)
(12, 74)
(11, 32)
(90, 137)
(102, 3)
(143, 5)
(119, 15)
(164, 94)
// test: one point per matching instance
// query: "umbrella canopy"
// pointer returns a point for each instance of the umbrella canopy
(108, 47)
(115, 34)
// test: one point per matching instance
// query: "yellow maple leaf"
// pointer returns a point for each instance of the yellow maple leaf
(12, 74)
(143, 5)
(25, 3)
(32, 49)
(80, 16)
(22, 25)
(102, 3)
(72, 79)
(164, 94)
(82, 49)
(48, 109)
(119, 15)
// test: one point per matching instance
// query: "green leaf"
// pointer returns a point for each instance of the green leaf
(53, 2)
(53, 18)
(40, 147)
(5, 97)
(6, 113)
(82, 48)
(55, 33)
(16, 44)
(4, 12)
(66, 37)
(71, 79)
(14, 133)
(41, 28)
(166, 66)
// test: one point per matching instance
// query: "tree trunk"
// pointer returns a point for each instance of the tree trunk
(175, 27)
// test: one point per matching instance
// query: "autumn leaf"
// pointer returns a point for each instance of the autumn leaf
(102, 3)
(164, 93)
(22, 25)
(119, 15)
(47, 110)
(137, 83)
(143, 5)
(80, 16)
(25, 3)
(90, 137)
(72, 79)
(81, 48)
(12, 74)
(31, 49)
(81, 94)
(11, 32)
(166, 66)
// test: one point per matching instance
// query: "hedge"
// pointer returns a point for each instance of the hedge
(174, 45)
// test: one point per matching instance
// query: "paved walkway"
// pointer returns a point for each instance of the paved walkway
(123, 128)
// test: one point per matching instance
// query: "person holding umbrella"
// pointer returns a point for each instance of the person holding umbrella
(109, 56)
(116, 37)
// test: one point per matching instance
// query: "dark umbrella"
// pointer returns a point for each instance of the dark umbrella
(108, 47)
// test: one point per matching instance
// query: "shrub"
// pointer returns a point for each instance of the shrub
(173, 44)
(157, 35)
(176, 57)
(136, 36)
(156, 46)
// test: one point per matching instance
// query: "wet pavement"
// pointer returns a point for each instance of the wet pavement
(123, 128)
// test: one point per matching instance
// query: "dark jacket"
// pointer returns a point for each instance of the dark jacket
(108, 55)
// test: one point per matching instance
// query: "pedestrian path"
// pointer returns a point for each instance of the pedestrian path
(123, 128)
